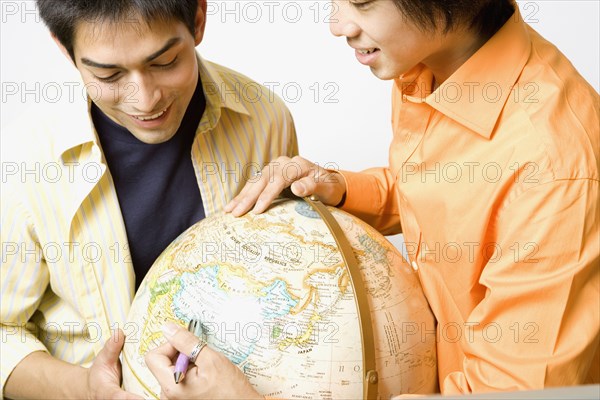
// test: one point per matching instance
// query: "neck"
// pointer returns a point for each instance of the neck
(455, 49)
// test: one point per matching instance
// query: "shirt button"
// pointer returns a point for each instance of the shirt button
(414, 265)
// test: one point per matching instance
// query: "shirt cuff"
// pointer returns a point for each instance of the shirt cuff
(16, 344)
(360, 188)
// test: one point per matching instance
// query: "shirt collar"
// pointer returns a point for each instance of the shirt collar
(78, 129)
(218, 94)
(476, 93)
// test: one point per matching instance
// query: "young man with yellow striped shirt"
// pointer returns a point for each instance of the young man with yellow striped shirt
(165, 139)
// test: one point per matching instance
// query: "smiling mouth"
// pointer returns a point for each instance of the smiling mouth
(368, 51)
(150, 117)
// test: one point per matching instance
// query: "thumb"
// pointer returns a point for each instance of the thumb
(328, 186)
(303, 187)
(112, 348)
(180, 338)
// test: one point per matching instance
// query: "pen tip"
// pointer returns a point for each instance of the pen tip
(178, 376)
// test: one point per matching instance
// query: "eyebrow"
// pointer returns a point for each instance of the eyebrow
(170, 43)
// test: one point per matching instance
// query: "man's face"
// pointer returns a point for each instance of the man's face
(383, 38)
(140, 75)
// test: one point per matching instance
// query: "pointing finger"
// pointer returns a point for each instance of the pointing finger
(180, 338)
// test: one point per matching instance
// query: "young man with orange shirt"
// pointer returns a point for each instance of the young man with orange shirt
(493, 179)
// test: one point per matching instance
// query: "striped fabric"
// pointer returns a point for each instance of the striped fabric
(66, 274)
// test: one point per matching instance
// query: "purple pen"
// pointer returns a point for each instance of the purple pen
(181, 365)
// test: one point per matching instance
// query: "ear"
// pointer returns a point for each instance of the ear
(63, 49)
(200, 21)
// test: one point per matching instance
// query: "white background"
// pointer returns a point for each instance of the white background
(342, 114)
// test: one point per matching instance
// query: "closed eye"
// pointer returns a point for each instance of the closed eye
(167, 65)
(108, 79)
(361, 5)
(114, 77)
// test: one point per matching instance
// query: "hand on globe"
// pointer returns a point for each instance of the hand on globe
(212, 376)
(302, 176)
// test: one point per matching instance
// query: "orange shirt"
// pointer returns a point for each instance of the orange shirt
(493, 179)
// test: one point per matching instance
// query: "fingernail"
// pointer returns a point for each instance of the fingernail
(236, 212)
(300, 188)
(258, 206)
(169, 329)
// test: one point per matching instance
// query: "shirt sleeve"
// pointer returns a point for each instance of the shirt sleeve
(289, 129)
(372, 196)
(539, 322)
(24, 279)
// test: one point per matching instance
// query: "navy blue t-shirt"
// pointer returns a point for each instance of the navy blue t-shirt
(156, 184)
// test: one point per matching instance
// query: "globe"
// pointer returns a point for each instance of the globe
(274, 294)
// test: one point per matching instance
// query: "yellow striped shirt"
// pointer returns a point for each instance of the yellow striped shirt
(66, 274)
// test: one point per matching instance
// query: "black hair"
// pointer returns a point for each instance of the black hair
(62, 16)
(485, 17)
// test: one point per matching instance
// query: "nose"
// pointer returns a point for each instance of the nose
(341, 21)
(143, 93)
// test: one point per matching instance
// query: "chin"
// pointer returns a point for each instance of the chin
(384, 75)
(153, 138)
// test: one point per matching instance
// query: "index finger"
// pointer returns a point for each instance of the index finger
(160, 362)
(242, 203)
(180, 338)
